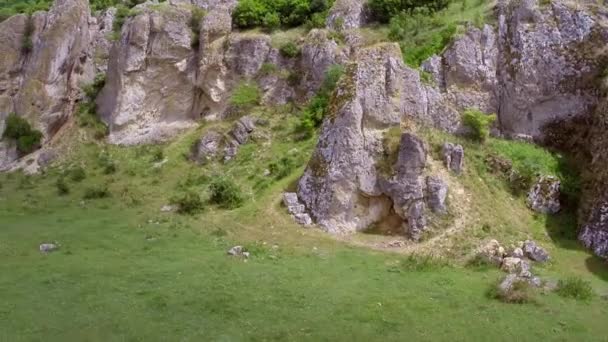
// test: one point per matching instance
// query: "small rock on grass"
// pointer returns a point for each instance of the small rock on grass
(48, 247)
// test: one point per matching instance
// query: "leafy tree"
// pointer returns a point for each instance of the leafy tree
(19, 130)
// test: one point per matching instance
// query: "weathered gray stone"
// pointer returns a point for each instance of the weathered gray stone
(437, 191)
(8, 154)
(149, 92)
(207, 147)
(242, 129)
(40, 82)
(544, 195)
(535, 252)
(341, 185)
(545, 59)
(510, 265)
(302, 219)
(416, 220)
(290, 199)
(453, 157)
(48, 247)
(236, 251)
(347, 14)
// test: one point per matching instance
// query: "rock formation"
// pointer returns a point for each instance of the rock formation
(42, 64)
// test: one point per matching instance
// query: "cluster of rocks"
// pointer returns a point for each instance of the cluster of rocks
(214, 144)
(516, 261)
(296, 209)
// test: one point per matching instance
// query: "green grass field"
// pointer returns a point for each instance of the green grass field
(127, 272)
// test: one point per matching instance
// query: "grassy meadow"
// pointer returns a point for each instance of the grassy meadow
(126, 271)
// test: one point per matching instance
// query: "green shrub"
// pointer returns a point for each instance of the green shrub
(93, 89)
(188, 203)
(86, 116)
(271, 21)
(19, 130)
(77, 174)
(575, 288)
(107, 165)
(268, 69)
(479, 123)
(96, 192)
(272, 14)
(289, 50)
(282, 168)
(246, 95)
(312, 116)
(225, 193)
(384, 10)
(62, 186)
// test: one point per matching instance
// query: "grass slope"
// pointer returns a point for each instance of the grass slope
(126, 271)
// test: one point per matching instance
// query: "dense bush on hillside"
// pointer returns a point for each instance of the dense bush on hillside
(19, 130)
(384, 10)
(479, 123)
(225, 193)
(272, 14)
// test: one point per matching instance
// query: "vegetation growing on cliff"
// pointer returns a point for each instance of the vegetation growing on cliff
(19, 130)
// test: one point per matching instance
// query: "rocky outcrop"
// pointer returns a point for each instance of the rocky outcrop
(42, 63)
(453, 157)
(149, 93)
(544, 195)
(345, 187)
(464, 77)
(341, 186)
(296, 209)
(347, 14)
(549, 56)
(207, 147)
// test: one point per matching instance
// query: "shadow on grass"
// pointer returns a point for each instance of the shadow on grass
(598, 267)
(563, 228)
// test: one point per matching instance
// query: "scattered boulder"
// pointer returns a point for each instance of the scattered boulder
(535, 252)
(302, 219)
(168, 208)
(510, 264)
(544, 195)
(437, 193)
(236, 251)
(517, 253)
(207, 147)
(453, 157)
(242, 129)
(48, 247)
(493, 252)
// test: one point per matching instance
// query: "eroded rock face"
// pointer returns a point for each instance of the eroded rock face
(548, 56)
(347, 14)
(42, 63)
(149, 93)
(341, 186)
